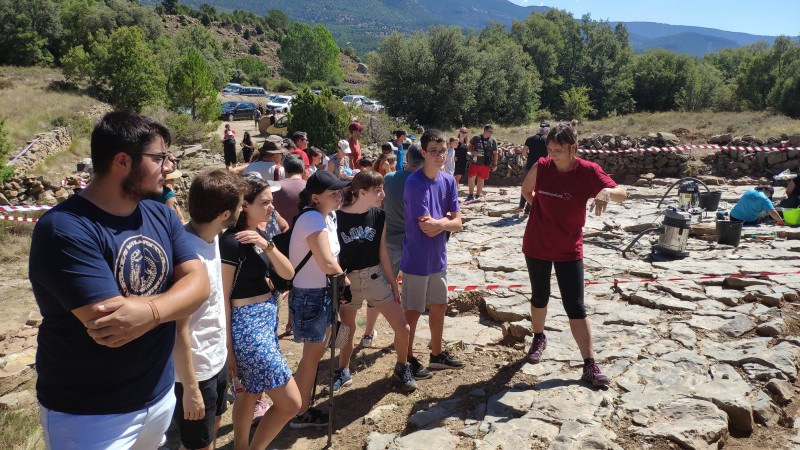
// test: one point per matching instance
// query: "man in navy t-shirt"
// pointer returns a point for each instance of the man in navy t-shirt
(111, 272)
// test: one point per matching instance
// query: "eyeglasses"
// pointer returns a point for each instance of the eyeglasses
(160, 158)
(437, 153)
(490, 131)
(462, 132)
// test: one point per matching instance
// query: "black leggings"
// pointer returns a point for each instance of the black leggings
(570, 282)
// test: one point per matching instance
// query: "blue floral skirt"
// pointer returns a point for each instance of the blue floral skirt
(254, 329)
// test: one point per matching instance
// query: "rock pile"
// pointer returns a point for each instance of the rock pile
(37, 190)
(17, 358)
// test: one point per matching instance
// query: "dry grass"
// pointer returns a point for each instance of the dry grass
(28, 107)
(760, 124)
(20, 430)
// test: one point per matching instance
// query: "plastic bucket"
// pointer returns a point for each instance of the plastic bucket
(791, 216)
(729, 232)
(709, 200)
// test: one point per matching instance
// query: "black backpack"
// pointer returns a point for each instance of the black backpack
(281, 242)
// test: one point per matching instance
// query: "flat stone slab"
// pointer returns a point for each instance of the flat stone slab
(439, 439)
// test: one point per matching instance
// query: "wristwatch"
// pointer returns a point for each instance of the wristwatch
(270, 247)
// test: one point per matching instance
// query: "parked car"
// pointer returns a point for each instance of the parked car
(355, 100)
(253, 91)
(238, 110)
(232, 88)
(372, 106)
(280, 126)
(280, 103)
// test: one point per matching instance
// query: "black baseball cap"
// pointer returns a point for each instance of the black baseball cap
(322, 180)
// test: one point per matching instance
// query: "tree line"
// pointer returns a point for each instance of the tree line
(118, 49)
(548, 65)
(553, 65)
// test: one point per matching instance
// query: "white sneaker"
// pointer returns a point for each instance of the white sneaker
(368, 341)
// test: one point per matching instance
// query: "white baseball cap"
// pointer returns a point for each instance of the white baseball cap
(345, 146)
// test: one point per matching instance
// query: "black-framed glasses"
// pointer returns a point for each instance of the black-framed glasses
(160, 158)
(437, 152)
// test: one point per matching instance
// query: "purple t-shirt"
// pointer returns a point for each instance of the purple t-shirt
(423, 255)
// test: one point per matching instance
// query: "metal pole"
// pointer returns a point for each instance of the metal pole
(334, 282)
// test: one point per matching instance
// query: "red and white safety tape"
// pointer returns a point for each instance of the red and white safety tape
(491, 287)
(673, 149)
(24, 208)
(19, 219)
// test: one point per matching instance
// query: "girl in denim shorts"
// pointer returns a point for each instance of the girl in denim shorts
(314, 232)
(248, 255)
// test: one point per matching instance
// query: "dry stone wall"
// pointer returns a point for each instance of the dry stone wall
(45, 144)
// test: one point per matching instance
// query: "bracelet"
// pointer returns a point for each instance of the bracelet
(156, 316)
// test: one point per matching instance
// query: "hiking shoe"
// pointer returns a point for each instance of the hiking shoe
(261, 408)
(477, 197)
(537, 348)
(469, 198)
(418, 371)
(369, 339)
(404, 379)
(341, 379)
(592, 374)
(445, 360)
(311, 418)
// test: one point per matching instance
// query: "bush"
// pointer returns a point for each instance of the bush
(576, 103)
(378, 128)
(6, 148)
(323, 117)
(340, 91)
(284, 85)
(76, 125)
(187, 131)
(255, 49)
(6, 84)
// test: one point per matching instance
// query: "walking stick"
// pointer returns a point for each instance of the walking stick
(334, 283)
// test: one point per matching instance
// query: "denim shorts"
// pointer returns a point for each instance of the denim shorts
(311, 314)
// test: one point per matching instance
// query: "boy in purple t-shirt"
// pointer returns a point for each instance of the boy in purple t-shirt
(431, 211)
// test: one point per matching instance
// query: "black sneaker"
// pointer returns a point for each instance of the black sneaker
(445, 360)
(404, 379)
(311, 418)
(417, 370)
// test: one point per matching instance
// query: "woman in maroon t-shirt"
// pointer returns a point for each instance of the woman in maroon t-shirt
(557, 187)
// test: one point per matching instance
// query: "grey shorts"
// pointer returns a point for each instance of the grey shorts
(395, 255)
(421, 291)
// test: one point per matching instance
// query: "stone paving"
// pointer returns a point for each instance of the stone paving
(691, 361)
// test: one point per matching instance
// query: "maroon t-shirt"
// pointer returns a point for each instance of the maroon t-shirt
(555, 228)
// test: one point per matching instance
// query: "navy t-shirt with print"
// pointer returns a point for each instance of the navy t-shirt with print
(81, 255)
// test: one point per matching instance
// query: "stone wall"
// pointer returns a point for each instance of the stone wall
(53, 141)
(737, 163)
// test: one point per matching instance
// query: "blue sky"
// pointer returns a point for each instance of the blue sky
(762, 17)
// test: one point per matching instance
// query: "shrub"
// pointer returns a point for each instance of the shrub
(187, 131)
(284, 85)
(255, 49)
(76, 125)
(323, 117)
(6, 148)
(576, 103)
(6, 84)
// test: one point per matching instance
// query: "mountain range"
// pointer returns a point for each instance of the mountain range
(363, 23)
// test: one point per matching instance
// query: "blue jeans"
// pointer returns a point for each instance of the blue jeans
(311, 314)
